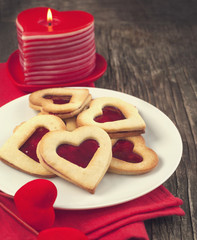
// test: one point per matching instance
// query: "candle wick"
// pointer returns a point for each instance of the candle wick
(49, 23)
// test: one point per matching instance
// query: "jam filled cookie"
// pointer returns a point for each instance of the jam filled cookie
(73, 113)
(131, 156)
(81, 156)
(62, 102)
(117, 117)
(19, 151)
(70, 123)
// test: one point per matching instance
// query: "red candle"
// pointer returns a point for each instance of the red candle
(58, 49)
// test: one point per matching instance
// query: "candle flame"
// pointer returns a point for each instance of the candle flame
(49, 16)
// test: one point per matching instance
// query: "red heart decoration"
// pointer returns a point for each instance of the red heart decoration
(110, 114)
(79, 155)
(123, 150)
(34, 202)
(61, 233)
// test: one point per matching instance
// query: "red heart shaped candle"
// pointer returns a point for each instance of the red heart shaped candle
(34, 202)
(33, 21)
(59, 50)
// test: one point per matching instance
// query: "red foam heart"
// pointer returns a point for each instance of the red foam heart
(34, 20)
(110, 114)
(61, 233)
(79, 155)
(29, 147)
(123, 150)
(34, 202)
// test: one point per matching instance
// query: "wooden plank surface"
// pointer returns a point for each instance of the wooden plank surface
(151, 51)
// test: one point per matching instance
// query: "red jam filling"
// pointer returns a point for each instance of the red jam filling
(58, 99)
(123, 150)
(110, 114)
(29, 147)
(80, 155)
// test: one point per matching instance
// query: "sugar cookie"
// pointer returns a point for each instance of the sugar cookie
(63, 102)
(70, 123)
(19, 151)
(81, 156)
(117, 117)
(131, 156)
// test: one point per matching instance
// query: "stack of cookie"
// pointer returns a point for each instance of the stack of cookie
(59, 53)
(124, 125)
(105, 135)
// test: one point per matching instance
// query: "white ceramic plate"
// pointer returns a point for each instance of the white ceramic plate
(161, 135)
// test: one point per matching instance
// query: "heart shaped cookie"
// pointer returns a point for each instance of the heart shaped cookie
(62, 102)
(62, 233)
(19, 151)
(131, 156)
(34, 202)
(70, 123)
(81, 156)
(117, 117)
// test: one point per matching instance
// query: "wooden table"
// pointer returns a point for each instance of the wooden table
(151, 51)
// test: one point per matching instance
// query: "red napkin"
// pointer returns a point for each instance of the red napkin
(124, 221)
(114, 222)
(8, 91)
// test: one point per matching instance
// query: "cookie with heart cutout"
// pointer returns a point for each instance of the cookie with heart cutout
(131, 156)
(117, 117)
(70, 123)
(82, 156)
(73, 113)
(62, 102)
(19, 151)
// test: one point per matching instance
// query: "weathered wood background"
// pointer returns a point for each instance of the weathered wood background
(151, 50)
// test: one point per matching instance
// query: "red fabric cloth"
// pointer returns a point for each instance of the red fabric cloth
(121, 222)
(8, 91)
(110, 223)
